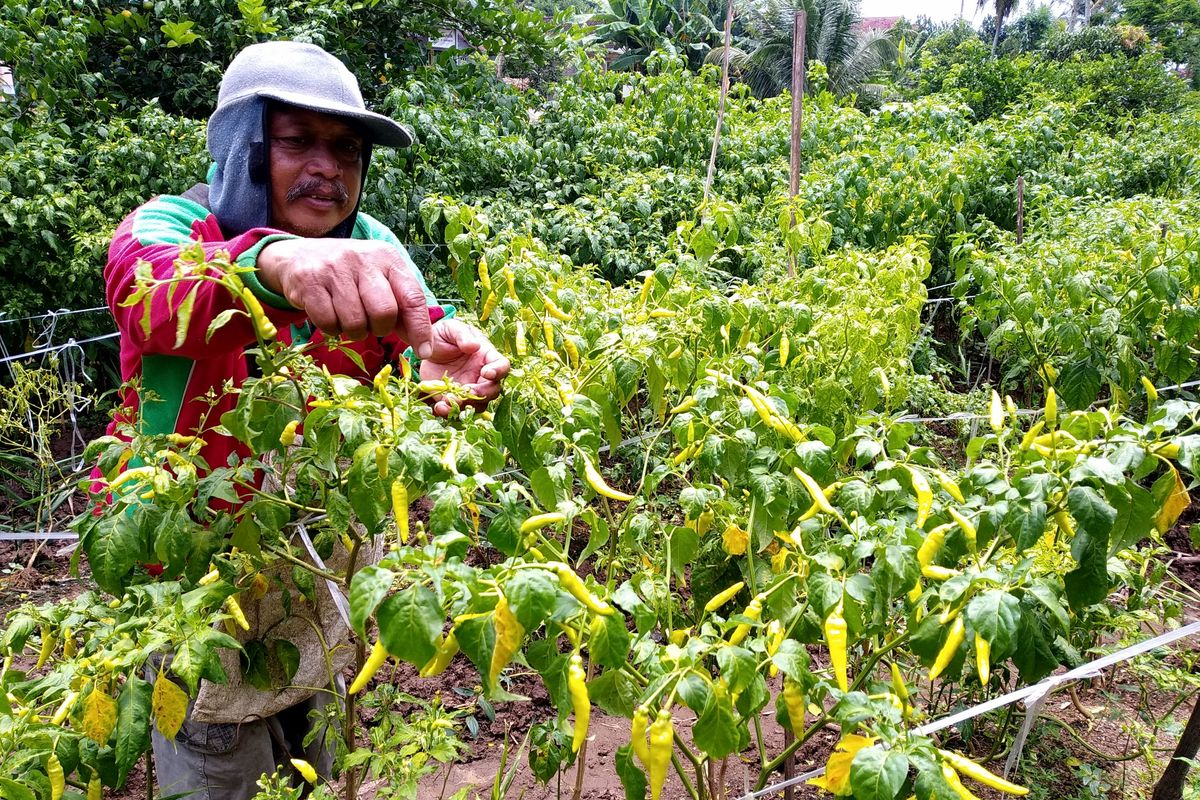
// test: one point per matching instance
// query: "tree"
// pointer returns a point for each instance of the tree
(1175, 24)
(1001, 9)
(764, 57)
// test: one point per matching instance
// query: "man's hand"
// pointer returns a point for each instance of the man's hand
(351, 287)
(466, 356)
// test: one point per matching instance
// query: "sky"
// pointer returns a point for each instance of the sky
(937, 10)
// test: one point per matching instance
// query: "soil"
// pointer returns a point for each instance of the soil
(1100, 711)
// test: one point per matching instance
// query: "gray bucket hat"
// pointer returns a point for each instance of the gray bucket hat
(303, 75)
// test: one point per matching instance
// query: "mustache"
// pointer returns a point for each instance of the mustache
(310, 186)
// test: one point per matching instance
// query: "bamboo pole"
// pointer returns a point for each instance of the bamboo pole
(1020, 208)
(799, 25)
(712, 159)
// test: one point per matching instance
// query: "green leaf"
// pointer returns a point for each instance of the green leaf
(995, 616)
(633, 780)
(716, 730)
(615, 693)
(367, 494)
(133, 724)
(367, 590)
(410, 622)
(113, 550)
(1026, 522)
(878, 774)
(1094, 517)
(609, 641)
(1078, 384)
(532, 594)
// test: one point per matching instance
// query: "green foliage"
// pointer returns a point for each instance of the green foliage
(1098, 291)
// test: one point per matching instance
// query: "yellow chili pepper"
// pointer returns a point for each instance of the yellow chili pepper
(932, 545)
(753, 611)
(898, 684)
(662, 744)
(235, 610)
(48, 643)
(489, 305)
(576, 588)
(449, 458)
(820, 501)
(836, 637)
(580, 704)
(572, 351)
(996, 413)
(554, 311)
(400, 508)
(977, 772)
(266, 328)
(447, 649)
(955, 783)
(1051, 409)
(794, 702)
(539, 521)
(687, 405)
(511, 279)
(522, 345)
(924, 494)
(58, 781)
(485, 277)
(723, 597)
(968, 528)
(596, 481)
(64, 708)
(305, 769)
(288, 437)
(374, 661)
(958, 632)
(983, 659)
(95, 789)
(784, 350)
(637, 735)
(548, 332)
(645, 293)
(950, 487)
(381, 461)
(1151, 390)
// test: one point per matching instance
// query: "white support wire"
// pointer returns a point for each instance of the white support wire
(41, 351)
(1035, 693)
(62, 312)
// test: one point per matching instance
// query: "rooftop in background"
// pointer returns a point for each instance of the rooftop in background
(875, 24)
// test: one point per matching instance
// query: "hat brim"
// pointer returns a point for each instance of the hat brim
(381, 130)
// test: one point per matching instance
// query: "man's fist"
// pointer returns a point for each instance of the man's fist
(350, 287)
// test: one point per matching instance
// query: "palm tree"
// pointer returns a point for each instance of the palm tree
(764, 57)
(1001, 8)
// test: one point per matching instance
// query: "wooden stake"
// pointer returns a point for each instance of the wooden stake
(789, 766)
(712, 159)
(799, 25)
(1170, 786)
(1020, 208)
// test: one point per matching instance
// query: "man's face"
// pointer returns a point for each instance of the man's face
(316, 170)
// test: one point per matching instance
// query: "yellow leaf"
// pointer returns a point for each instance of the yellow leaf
(735, 540)
(1176, 503)
(99, 716)
(169, 704)
(836, 779)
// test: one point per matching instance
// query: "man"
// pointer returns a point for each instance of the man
(291, 140)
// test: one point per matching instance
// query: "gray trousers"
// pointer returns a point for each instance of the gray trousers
(223, 761)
